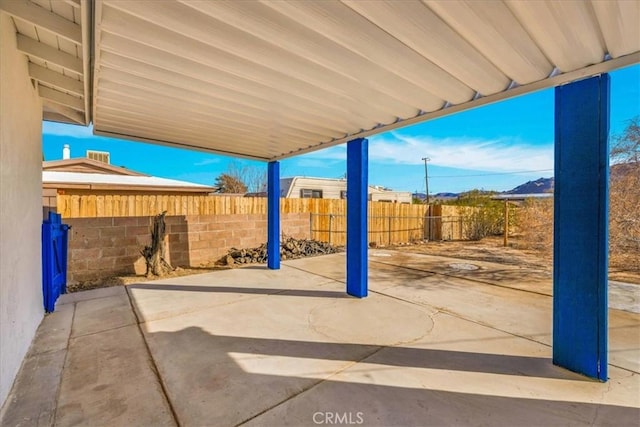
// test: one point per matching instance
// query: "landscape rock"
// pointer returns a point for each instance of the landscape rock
(290, 248)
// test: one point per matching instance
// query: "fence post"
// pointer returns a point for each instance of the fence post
(330, 222)
(506, 223)
(389, 230)
(311, 226)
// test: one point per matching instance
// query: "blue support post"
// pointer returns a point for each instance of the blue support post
(273, 216)
(357, 198)
(580, 227)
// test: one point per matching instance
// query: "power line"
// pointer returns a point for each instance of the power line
(490, 174)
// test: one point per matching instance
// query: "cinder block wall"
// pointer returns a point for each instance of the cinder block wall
(102, 247)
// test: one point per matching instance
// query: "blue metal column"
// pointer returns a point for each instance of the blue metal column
(580, 227)
(273, 216)
(357, 203)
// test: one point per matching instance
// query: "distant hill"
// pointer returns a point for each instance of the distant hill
(438, 196)
(540, 185)
(620, 170)
(445, 196)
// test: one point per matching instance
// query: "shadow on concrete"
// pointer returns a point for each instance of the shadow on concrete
(283, 381)
(241, 290)
(393, 356)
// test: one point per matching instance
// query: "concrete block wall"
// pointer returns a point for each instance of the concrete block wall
(102, 247)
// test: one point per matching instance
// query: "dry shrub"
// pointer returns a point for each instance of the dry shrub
(624, 198)
(481, 215)
(483, 221)
(624, 216)
(534, 220)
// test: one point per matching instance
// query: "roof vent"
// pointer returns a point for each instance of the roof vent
(100, 156)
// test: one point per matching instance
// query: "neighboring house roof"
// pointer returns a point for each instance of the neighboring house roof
(87, 174)
(85, 165)
(99, 181)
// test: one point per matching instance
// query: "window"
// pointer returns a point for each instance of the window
(307, 193)
(343, 194)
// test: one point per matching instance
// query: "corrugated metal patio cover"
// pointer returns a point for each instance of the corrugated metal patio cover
(273, 79)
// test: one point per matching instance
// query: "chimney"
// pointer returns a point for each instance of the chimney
(66, 152)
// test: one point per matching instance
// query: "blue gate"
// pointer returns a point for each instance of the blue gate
(54, 260)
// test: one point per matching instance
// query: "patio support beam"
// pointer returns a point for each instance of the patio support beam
(41, 17)
(273, 215)
(357, 198)
(61, 98)
(580, 226)
(47, 53)
(57, 80)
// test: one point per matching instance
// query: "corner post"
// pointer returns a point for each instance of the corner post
(580, 239)
(357, 203)
(273, 215)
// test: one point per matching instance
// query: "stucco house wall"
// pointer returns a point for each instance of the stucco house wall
(20, 207)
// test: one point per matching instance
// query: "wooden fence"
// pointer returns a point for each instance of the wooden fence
(388, 222)
(92, 206)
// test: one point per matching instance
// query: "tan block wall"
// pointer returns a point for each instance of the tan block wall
(102, 247)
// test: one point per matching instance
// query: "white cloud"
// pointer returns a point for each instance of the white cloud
(207, 162)
(504, 155)
(73, 131)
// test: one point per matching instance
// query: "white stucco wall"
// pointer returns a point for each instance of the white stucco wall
(20, 207)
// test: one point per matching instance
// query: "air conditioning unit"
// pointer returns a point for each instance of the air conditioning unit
(100, 156)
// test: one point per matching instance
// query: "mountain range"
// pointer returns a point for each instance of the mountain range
(540, 185)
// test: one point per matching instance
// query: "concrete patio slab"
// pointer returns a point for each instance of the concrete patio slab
(253, 346)
(109, 379)
(293, 340)
(33, 401)
(102, 314)
(461, 374)
(166, 298)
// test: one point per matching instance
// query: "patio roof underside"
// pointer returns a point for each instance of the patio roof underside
(273, 79)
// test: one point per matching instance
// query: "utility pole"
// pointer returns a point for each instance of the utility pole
(426, 177)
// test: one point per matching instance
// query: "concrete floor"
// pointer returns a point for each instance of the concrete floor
(433, 344)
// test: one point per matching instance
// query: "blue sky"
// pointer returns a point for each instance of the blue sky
(495, 147)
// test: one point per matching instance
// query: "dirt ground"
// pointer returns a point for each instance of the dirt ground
(489, 249)
(132, 278)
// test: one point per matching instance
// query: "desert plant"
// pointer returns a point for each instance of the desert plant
(481, 216)
(534, 220)
(624, 198)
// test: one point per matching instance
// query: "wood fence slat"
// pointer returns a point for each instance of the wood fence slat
(389, 222)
